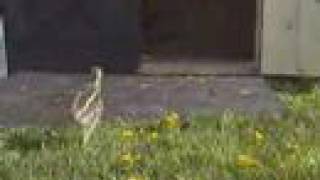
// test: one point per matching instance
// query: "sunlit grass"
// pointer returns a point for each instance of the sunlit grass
(227, 146)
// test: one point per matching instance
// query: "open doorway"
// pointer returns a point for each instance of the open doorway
(189, 33)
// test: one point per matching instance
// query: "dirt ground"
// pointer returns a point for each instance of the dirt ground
(28, 99)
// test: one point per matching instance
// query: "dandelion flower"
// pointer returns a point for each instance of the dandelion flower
(127, 134)
(154, 135)
(126, 160)
(136, 177)
(126, 157)
(245, 161)
(171, 120)
(259, 136)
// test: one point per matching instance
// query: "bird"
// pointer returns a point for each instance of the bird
(87, 107)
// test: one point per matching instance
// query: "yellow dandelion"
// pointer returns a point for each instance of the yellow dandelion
(126, 160)
(245, 161)
(126, 157)
(259, 136)
(136, 177)
(174, 115)
(127, 134)
(171, 120)
(153, 136)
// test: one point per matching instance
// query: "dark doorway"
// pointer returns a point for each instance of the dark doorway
(199, 29)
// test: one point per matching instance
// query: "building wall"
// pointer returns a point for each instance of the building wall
(72, 34)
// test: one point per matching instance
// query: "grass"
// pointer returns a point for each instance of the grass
(227, 146)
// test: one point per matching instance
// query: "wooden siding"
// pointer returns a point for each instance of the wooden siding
(291, 37)
(280, 29)
(309, 60)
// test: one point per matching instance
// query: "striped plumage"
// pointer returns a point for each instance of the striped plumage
(87, 107)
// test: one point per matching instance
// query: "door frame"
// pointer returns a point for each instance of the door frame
(3, 51)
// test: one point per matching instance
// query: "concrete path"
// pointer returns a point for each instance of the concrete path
(44, 99)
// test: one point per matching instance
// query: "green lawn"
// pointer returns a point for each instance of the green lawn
(228, 146)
